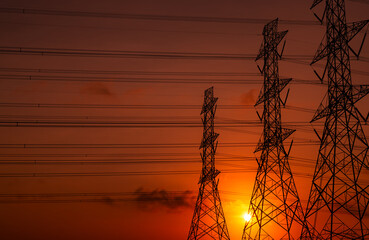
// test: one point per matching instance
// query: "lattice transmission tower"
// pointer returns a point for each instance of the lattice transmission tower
(275, 205)
(208, 221)
(338, 201)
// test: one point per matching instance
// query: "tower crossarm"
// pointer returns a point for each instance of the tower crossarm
(273, 142)
(315, 3)
(349, 97)
(359, 92)
(266, 49)
(272, 90)
(354, 28)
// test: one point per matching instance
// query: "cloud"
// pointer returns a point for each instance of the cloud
(108, 200)
(97, 88)
(249, 98)
(159, 198)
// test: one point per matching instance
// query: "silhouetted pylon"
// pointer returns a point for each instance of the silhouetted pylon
(339, 197)
(208, 221)
(275, 205)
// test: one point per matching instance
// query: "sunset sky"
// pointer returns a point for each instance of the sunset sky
(100, 107)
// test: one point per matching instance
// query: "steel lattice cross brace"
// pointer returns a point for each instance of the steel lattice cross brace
(339, 198)
(208, 221)
(275, 205)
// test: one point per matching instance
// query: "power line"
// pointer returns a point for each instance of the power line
(54, 124)
(137, 119)
(123, 29)
(129, 54)
(140, 145)
(135, 106)
(90, 155)
(112, 174)
(143, 80)
(110, 161)
(177, 158)
(127, 124)
(150, 17)
(121, 120)
(130, 80)
(309, 163)
(125, 162)
(122, 174)
(118, 72)
(120, 106)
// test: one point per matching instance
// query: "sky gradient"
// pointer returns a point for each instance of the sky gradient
(100, 110)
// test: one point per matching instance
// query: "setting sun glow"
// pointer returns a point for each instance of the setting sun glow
(247, 217)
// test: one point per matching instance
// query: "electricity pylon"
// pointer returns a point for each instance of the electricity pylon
(208, 221)
(275, 205)
(339, 198)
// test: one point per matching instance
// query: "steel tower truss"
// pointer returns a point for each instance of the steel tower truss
(275, 205)
(339, 198)
(208, 220)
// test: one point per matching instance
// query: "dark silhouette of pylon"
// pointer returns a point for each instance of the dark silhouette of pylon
(339, 198)
(208, 221)
(275, 205)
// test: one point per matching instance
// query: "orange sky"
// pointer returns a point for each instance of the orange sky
(146, 206)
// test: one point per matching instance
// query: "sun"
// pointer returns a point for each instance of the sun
(247, 217)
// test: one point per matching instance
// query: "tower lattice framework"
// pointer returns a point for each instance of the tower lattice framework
(208, 221)
(275, 205)
(339, 198)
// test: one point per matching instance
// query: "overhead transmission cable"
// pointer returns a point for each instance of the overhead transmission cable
(66, 13)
